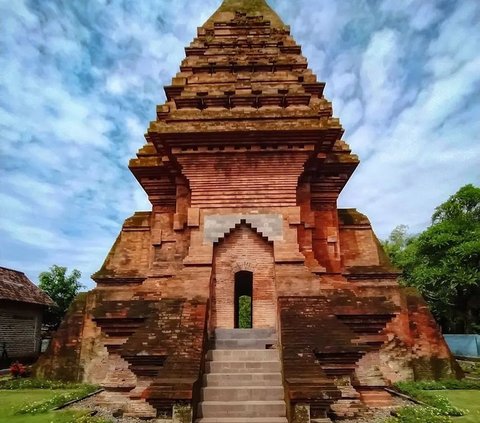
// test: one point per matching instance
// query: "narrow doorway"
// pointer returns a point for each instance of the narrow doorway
(243, 299)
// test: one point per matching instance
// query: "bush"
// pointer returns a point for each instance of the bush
(12, 384)
(440, 385)
(419, 391)
(17, 369)
(58, 400)
(415, 414)
(89, 419)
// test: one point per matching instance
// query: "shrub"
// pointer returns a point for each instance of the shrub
(416, 414)
(17, 370)
(56, 401)
(419, 391)
(90, 419)
(439, 385)
(31, 383)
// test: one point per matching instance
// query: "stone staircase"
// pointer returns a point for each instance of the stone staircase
(243, 379)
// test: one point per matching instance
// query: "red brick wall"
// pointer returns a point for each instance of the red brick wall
(326, 239)
(359, 247)
(227, 179)
(244, 249)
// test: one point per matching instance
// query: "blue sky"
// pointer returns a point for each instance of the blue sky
(79, 81)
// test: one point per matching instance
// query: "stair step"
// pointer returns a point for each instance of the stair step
(242, 379)
(376, 398)
(242, 366)
(243, 393)
(242, 409)
(267, 333)
(242, 420)
(243, 344)
(242, 355)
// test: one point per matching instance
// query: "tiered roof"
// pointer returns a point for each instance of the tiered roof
(244, 84)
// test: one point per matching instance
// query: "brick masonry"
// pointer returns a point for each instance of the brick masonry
(20, 326)
(241, 250)
(243, 167)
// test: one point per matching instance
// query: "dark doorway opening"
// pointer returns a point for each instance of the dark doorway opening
(243, 299)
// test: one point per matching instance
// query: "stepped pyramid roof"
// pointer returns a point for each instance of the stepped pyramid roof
(228, 8)
(244, 85)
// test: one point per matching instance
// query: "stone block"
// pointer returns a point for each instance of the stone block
(179, 221)
(193, 217)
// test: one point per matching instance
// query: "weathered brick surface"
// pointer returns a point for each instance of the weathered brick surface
(243, 167)
(323, 340)
(62, 360)
(431, 355)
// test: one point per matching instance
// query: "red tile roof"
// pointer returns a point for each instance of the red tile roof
(15, 286)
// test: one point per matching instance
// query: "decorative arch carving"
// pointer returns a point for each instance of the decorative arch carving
(243, 264)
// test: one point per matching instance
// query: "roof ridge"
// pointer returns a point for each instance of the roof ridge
(12, 270)
(15, 285)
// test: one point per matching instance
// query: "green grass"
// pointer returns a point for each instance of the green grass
(11, 401)
(466, 400)
(32, 401)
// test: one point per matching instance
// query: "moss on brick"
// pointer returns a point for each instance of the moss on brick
(301, 414)
(182, 413)
(434, 368)
(382, 256)
(104, 271)
(250, 7)
(352, 217)
(62, 360)
(138, 219)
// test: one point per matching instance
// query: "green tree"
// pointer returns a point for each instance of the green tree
(62, 289)
(443, 262)
(396, 243)
(245, 312)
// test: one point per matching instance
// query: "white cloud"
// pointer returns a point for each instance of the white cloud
(425, 16)
(420, 14)
(80, 82)
(381, 76)
(344, 84)
(352, 113)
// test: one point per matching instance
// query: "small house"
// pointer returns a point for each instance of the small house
(22, 305)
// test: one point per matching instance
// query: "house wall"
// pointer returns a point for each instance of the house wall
(20, 325)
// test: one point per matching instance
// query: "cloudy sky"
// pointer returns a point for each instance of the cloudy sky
(79, 81)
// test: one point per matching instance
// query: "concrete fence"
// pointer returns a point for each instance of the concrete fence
(464, 345)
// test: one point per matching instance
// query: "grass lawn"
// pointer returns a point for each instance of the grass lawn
(11, 400)
(465, 399)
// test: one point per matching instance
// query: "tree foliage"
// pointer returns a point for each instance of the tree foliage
(443, 262)
(245, 312)
(62, 289)
(396, 243)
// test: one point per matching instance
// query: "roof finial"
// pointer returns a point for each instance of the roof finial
(228, 8)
